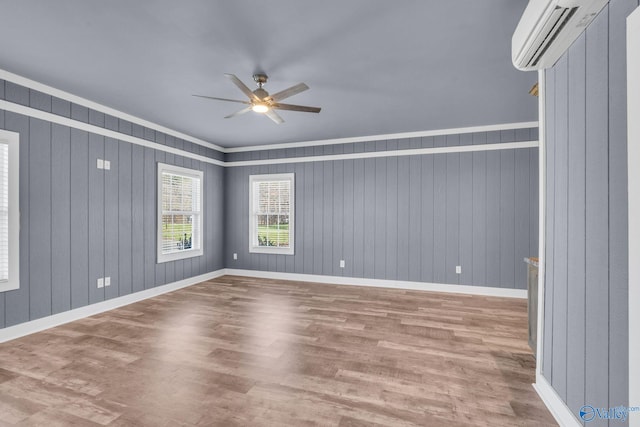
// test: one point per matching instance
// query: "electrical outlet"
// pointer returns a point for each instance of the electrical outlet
(235, 256)
(458, 269)
(101, 282)
(107, 165)
(107, 281)
(100, 164)
(341, 263)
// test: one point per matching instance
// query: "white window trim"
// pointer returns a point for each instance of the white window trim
(253, 229)
(187, 253)
(13, 140)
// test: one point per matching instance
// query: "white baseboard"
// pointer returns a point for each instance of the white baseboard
(554, 403)
(379, 283)
(17, 331)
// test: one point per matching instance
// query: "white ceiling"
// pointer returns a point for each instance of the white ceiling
(374, 66)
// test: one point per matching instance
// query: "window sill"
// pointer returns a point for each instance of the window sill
(175, 256)
(270, 250)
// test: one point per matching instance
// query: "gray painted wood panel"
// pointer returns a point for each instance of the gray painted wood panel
(597, 214)
(618, 206)
(576, 227)
(404, 231)
(159, 269)
(523, 214)
(466, 218)
(379, 229)
(493, 226)
(439, 216)
(125, 231)
(369, 217)
(479, 214)
(348, 218)
(534, 202)
(359, 180)
(111, 213)
(591, 180)
(39, 100)
(16, 93)
(327, 219)
(507, 218)
(391, 220)
(40, 218)
(452, 217)
(149, 223)
(61, 229)
(338, 204)
(427, 191)
(415, 218)
(137, 217)
(80, 218)
(96, 218)
(561, 161)
(318, 186)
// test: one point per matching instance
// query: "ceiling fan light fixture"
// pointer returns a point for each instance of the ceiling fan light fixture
(260, 108)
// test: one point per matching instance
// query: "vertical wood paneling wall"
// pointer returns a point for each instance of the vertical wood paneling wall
(401, 218)
(585, 349)
(79, 223)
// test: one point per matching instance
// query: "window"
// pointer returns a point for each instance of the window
(179, 213)
(271, 210)
(9, 212)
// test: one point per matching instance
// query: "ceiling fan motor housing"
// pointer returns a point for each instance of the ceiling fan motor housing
(261, 93)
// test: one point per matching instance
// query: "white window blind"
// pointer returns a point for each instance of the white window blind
(272, 213)
(4, 212)
(9, 211)
(180, 213)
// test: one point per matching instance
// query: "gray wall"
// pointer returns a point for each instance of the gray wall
(401, 218)
(585, 353)
(79, 223)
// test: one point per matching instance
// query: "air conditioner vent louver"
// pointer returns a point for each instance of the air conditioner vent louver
(562, 15)
(547, 28)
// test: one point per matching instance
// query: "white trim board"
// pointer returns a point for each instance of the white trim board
(554, 403)
(32, 84)
(388, 153)
(633, 154)
(33, 326)
(542, 168)
(388, 136)
(54, 118)
(380, 283)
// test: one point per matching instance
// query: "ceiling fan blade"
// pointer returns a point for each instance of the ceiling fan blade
(243, 87)
(274, 116)
(293, 90)
(222, 99)
(237, 113)
(296, 108)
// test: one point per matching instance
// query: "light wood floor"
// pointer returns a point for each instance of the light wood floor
(255, 352)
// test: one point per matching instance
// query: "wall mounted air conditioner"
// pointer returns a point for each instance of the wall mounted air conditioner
(547, 29)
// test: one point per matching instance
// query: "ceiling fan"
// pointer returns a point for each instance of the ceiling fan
(261, 102)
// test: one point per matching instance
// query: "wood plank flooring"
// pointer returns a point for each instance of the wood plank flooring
(238, 351)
